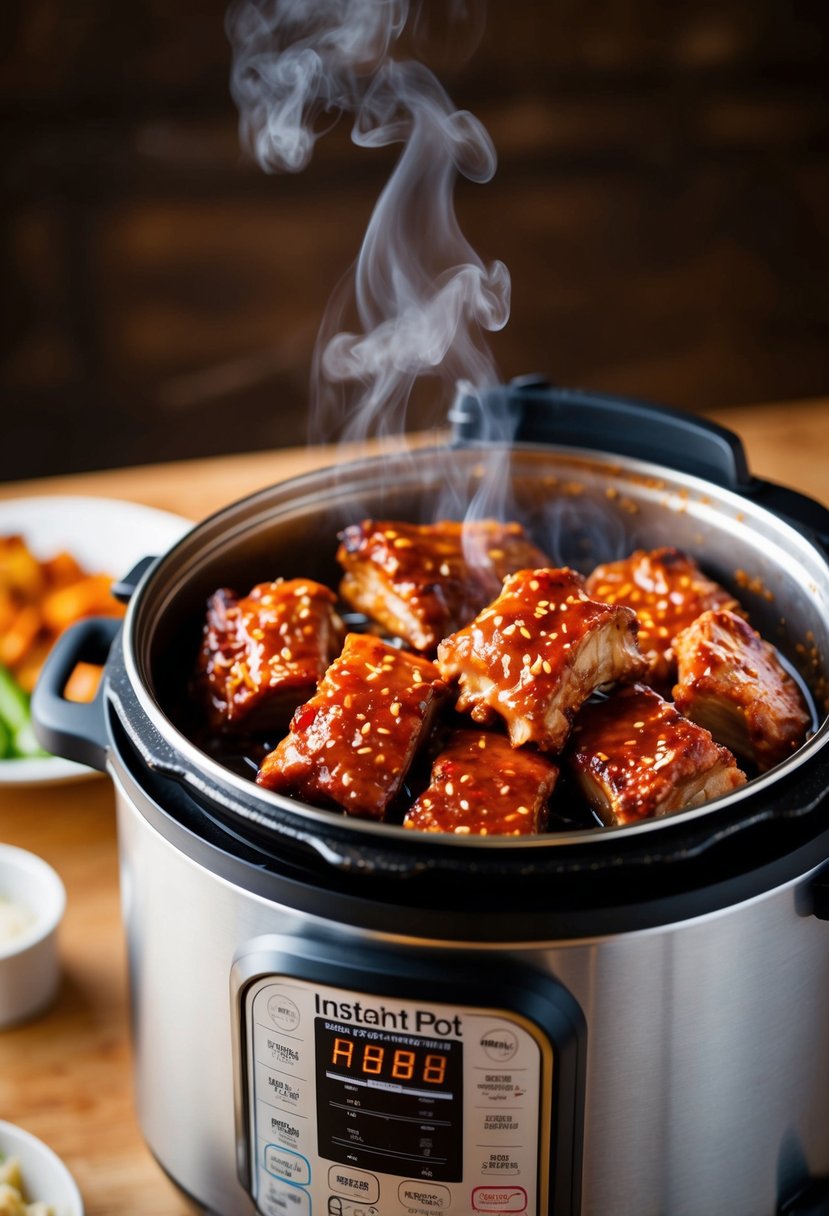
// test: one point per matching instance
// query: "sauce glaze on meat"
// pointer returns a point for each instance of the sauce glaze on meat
(529, 653)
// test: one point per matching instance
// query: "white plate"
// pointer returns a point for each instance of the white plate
(103, 534)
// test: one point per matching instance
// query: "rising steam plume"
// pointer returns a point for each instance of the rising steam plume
(419, 299)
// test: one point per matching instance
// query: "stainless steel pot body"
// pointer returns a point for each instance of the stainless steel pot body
(690, 954)
(707, 1067)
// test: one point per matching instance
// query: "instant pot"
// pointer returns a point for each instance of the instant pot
(335, 1017)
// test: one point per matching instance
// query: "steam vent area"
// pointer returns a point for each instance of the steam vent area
(659, 198)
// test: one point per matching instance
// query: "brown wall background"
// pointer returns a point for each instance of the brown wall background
(662, 203)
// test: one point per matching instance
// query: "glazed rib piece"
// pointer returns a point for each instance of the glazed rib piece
(635, 757)
(667, 591)
(353, 742)
(423, 581)
(262, 654)
(481, 786)
(732, 682)
(537, 653)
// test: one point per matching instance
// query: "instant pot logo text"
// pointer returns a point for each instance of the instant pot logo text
(418, 1021)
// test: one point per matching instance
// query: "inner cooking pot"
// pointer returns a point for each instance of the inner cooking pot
(572, 478)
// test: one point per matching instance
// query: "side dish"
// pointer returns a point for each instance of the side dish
(38, 600)
(13, 1200)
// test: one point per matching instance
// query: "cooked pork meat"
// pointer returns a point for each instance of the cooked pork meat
(422, 582)
(635, 757)
(537, 653)
(262, 654)
(352, 743)
(481, 786)
(667, 591)
(732, 683)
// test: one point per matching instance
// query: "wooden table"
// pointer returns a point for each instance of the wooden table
(67, 1076)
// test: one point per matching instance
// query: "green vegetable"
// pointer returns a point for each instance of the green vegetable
(17, 738)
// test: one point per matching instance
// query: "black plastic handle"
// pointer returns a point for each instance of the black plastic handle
(73, 729)
(531, 410)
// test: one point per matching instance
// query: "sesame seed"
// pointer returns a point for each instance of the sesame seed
(450, 789)
(363, 751)
(346, 779)
(365, 728)
(394, 709)
(464, 804)
(525, 633)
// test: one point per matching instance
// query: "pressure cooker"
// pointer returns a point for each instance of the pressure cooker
(338, 1017)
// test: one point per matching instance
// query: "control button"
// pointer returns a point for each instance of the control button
(290, 1167)
(276, 1087)
(499, 1199)
(281, 1128)
(283, 1012)
(500, 1044)
(419, 1197)
(357, 1183)
(506, 1121)
(271, 1050)
(501, 1087)
(501, 1163)
(275, 1199)
(337, 1206)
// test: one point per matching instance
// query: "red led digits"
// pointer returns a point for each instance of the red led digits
(398, 1065)
(434, 1069)
(373, 1059)
(403, 1065)
(342, 1052)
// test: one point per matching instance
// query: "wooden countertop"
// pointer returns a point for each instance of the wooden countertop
(66, 1076)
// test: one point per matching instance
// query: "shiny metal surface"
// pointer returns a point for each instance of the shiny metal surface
(580, 507)
(708, 1059)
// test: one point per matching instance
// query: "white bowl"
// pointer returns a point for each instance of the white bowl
(29, 965)
(45, 1177)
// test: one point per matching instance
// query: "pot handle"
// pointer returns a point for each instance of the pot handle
(74, 729)
(531, 410)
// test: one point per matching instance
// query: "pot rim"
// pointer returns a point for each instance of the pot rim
(206, 773)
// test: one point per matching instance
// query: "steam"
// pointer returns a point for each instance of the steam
(419, 299)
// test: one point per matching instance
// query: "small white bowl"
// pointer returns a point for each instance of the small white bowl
(45, 1177)
(29, 964)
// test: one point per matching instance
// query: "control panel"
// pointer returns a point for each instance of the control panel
(373, 1105)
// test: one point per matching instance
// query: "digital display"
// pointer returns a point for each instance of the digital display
(390, 1063)
(389, 1101)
